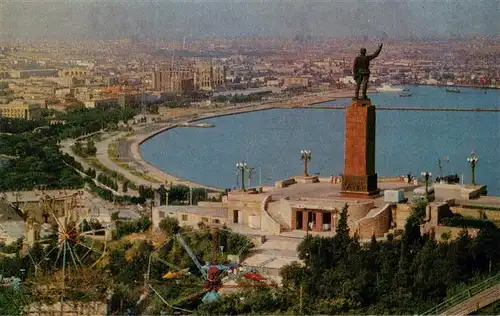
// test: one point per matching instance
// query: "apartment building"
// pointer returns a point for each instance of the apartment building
(208, 77)
(180, 80)
(21, 109)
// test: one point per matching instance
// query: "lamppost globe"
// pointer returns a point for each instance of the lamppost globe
(242, 167)
(305, 155)
(472, 160)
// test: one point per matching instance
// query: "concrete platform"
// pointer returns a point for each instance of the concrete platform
(306, 179)
(326, 190)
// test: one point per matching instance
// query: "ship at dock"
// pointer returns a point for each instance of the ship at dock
(388, 88)
(199, 125)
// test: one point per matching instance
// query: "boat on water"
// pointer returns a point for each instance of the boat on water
(452, 90)
(388, 88)
(405, 95)
(200, 125)
(406, 89)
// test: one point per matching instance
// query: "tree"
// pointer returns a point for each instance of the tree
(115, 215)
(342, 229)
(170, 226)
(12, 301)
(91, 150)
(341, 238)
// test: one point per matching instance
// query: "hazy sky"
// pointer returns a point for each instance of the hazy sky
(100, 19)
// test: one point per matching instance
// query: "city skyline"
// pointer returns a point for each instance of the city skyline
(159, 20)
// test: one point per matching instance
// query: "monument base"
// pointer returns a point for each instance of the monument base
(306, 179)
(360, 186)
(360, 195)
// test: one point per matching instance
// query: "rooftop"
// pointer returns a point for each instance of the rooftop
(194, 209)
(325, 192)
(36, 195)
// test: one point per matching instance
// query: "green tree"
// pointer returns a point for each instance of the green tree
(170, 226)
(91, 150)
(342, 229)
(115, 216)
(12, 301)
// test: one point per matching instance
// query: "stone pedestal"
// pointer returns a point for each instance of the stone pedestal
(360, 178)
(306, 179)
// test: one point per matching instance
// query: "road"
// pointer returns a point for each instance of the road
(102, 156)
(99, 184)
(65, 147)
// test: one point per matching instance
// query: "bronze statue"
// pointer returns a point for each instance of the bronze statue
(361, 70)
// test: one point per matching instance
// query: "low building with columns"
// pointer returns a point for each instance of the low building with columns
(314, 207)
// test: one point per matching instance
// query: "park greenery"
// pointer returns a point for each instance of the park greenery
(84, 150)
(34, 159)
(120, 272)
(339, 274)
(36, 162)
(398, 276)
(32, 146)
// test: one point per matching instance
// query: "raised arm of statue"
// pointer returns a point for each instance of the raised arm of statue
(375, 55)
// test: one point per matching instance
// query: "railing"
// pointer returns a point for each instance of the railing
(463, 296)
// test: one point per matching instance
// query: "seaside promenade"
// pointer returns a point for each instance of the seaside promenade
(143, 173)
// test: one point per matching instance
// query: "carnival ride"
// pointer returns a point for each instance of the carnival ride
(213, 277)
(76, 249)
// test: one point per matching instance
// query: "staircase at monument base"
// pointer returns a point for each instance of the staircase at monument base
(273, 210)
(470, 300)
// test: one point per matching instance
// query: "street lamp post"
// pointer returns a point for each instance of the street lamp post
(250, 174)
(242, 167)
(426, 176)
(305, 155)
(472, 160)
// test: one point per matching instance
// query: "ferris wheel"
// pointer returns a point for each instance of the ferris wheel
(211, 277)
(65, 249)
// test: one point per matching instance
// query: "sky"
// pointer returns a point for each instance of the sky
(163, 19)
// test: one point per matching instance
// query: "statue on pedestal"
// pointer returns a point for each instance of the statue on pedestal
(361, 70)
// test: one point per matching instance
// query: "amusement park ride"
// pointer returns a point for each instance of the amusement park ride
(214, 276)
(75, 248)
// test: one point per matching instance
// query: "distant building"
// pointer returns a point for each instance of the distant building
(34, 73)
(127, 99)
(208, 77)
(11, 224)
(21, 109)
(181, 80)
(73, 72)
(178, 80)
(99, 102)
(210, 214)
(295, 81)
(82, 94)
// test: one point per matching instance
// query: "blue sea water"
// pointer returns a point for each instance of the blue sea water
(270, 141)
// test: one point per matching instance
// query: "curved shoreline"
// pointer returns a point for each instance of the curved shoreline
(140, 139)
(171, 178)
(301, 102)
